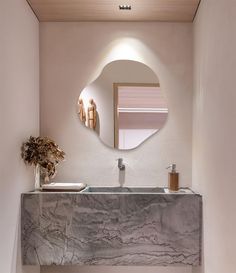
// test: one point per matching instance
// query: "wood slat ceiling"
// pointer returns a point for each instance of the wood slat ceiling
(108, 10)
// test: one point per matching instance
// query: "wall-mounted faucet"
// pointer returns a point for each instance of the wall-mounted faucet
(121, 165)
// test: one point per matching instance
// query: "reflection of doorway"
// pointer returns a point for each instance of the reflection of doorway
(139, 111)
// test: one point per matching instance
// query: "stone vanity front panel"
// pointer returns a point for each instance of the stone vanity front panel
(111, 229)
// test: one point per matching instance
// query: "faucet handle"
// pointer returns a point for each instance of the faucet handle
(121, 165)
(172, 167)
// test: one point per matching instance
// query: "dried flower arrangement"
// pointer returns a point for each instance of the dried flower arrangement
(44, 152)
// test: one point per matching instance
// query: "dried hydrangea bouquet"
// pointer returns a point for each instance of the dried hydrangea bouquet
(44, 154)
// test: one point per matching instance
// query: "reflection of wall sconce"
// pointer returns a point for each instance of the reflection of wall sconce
(82, 113)
(92, 114)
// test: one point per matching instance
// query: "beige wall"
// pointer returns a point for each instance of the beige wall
(19, 118)
(73, 54)
(214, 148)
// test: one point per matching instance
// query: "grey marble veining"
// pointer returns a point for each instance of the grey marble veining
(111, 229)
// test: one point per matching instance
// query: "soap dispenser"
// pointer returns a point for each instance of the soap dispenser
(173, 184)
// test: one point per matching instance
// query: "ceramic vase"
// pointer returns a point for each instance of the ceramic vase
(37, 184)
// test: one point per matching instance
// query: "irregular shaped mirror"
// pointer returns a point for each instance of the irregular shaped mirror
(124, 105)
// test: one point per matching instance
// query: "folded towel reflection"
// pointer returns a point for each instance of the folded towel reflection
(57, 186)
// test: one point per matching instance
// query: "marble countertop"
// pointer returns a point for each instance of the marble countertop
(182, 190)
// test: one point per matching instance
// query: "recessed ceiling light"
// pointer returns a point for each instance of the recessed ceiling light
(125, 7)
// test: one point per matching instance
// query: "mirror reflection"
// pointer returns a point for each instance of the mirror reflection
(124, 105)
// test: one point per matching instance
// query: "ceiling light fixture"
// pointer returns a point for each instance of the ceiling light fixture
(125, 7)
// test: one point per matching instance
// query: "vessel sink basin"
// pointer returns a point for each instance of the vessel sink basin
(124, 190)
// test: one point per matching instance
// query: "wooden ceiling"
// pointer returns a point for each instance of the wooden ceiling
(108, 10)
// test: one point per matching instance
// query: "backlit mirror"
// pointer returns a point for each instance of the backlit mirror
(124, 105)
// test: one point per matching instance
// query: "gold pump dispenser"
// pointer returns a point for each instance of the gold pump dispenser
(173, 184)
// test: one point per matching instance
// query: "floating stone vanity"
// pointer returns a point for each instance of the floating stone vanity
(100, 226)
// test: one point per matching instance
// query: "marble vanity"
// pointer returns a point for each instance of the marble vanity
(111, 226)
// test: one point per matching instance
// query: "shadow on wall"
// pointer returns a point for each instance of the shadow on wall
(201, 268)
(113, 269)
(16, 265)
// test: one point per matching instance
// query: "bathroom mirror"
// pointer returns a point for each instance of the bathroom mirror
(124, 105)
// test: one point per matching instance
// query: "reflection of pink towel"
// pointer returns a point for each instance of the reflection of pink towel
(63, 186)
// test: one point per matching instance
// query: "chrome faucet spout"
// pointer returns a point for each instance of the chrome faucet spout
(121, 165)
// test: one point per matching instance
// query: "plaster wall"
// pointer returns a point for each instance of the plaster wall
(73, 54)
(214, 134)
(19, 118)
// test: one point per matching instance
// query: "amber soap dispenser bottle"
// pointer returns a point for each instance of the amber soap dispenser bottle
(173, 184)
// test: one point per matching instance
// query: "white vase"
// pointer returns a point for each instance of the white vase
(37, 184)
